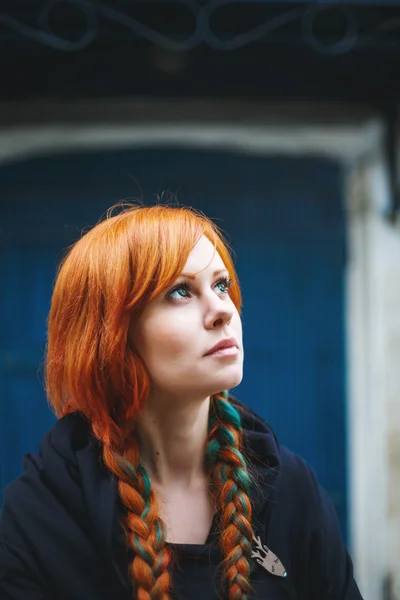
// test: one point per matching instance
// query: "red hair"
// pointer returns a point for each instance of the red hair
(104, 283)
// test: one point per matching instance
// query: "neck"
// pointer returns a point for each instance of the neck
(172, 436)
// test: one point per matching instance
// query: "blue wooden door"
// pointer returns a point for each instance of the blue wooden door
(26, 272)
(285, 219)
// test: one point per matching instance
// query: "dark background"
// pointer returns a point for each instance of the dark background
(338, 50)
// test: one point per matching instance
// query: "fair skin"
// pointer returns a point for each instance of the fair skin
(173, 336)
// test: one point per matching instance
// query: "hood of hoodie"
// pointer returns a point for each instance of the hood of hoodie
(70, 464)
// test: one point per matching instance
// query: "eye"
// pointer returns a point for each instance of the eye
(182, 290)
(224, 284)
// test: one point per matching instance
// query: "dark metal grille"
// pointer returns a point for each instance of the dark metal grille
(182, 25)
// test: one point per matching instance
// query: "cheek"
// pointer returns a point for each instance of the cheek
(164, 339)
(236, 325)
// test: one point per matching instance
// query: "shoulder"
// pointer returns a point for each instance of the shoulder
(51, 476)
(61, 507)
(295, 500)
(57, 451)
(276, 468)
(297, 475)
(52, 493)
(317, 548)
(34, 508)
(304, 501)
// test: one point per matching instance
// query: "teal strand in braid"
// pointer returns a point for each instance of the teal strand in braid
(226, 414)
(222, 410)
(221, 416)
(131, 473)
(161, 536)
(240, 478)
(125, 466)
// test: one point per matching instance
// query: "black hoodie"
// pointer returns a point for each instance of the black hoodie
(60, 536)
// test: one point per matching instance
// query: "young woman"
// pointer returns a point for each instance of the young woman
(155, 483)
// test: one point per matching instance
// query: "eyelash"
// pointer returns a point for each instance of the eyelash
(188, 287)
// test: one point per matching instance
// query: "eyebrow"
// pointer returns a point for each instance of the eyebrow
(191, 276)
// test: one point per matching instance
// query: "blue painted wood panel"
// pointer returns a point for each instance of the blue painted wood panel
(285, 219)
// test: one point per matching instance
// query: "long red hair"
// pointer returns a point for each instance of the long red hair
(103, 283)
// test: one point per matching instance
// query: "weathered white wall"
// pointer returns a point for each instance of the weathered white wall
(386, 272)
(391, 309)
(374, 381)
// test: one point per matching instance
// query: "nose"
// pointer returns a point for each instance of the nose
(220, 313)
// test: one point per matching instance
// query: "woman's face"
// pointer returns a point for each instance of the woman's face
(177, 331)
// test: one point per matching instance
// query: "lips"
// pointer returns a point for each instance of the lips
(227, 343)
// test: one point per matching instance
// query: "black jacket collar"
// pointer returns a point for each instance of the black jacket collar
(71, 463)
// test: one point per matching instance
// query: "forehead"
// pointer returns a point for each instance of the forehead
(203, 257)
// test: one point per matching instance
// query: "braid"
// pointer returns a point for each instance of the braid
(231, 482)
(145, 531)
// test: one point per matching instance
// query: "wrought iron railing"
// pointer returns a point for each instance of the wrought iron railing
(304, 15)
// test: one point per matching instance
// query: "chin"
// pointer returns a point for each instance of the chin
(227, 382)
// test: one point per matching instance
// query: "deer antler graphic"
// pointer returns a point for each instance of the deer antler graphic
(268, 559)
(260, 548)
